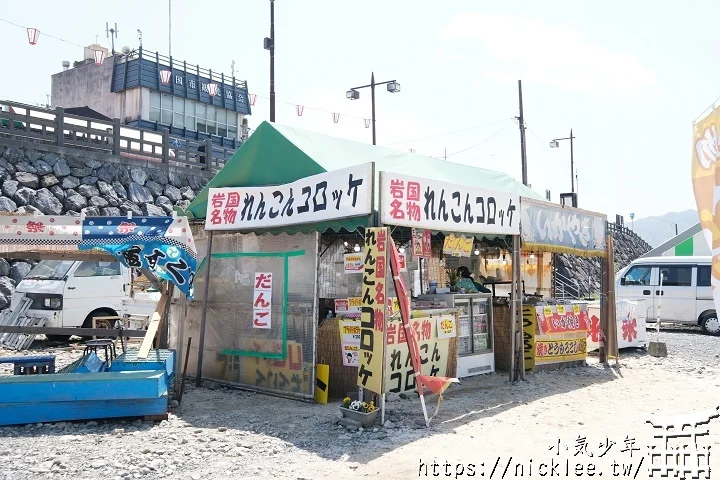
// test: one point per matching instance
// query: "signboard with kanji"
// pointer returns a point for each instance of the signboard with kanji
(434, 353)
(373, 310)
(327, 196)
(262, 300)
(421, 242)
(422, 203)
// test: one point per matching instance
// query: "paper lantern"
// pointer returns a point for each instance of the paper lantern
(252, 98)
(99, 57)
(367, 122)
(33, 35)
(212, 89)
(165, 76)
(336, 117)
(299, 109)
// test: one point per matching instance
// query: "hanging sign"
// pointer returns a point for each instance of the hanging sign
(423, 203)
(566, 229)
(353, 262)
(372, 317)
(458, 246)
(402, 260)
(326, 196)
(262, 300)
(350, 342)
(421, 242)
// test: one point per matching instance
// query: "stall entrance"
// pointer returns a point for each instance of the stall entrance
(260, 312)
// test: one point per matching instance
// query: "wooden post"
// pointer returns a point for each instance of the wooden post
(201, 344)
(165, 146)
(604, 324)
(208, 154)
(59, 126)
(513, 304)
(155, 323)
(116, 136)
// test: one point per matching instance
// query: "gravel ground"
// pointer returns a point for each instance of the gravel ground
(222, 433)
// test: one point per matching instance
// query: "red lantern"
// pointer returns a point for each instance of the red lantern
(33, 35)
(212, 89)
(99, 57)
(165, 76)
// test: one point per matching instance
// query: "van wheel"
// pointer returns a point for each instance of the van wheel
(100, 324)
(711, 324)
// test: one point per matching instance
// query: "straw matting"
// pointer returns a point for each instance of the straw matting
(342, 379)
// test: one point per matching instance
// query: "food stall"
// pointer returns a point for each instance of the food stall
(464, 216)
(281, 232)
(556, 332)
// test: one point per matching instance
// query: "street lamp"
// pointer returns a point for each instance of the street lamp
(392, 86)
(555, 143)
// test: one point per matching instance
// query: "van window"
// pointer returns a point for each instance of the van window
(703, 275)
(676, 276)
(638, 275)
(98, 269)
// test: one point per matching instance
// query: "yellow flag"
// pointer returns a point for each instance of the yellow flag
(706, 179)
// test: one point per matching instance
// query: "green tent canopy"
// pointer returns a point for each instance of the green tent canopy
(276, 154)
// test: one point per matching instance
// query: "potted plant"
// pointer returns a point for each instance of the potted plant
(452, 278)
(365, 413)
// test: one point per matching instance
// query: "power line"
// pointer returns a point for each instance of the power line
(43, 33)
(482, 141)
(447, 133)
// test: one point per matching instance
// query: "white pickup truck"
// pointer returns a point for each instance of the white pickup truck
(70, 293)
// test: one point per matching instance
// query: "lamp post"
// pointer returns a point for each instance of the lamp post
(554, 144)
(269, 44)
(353, 94)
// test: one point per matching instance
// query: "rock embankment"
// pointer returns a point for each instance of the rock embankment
(62, 184)
(628, 246)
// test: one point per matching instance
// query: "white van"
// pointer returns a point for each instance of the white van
(70, 293)
(686, 292)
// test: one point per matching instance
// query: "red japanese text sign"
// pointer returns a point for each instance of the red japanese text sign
(563, 319)
(326, 196)
(262, 300)
(430, 204)
(372, 313)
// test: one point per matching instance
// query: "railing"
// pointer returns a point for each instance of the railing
(55, 127)
(614, 228)
(566, 288)
(174, 64)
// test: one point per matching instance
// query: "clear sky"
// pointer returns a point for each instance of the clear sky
(628, 77)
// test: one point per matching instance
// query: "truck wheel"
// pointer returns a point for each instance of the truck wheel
(102, 323)
(711, 324)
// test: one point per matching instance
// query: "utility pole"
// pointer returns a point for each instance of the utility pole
(270, 45)
(572, 164)
(170, 29)
(521, 122)
(372, 101)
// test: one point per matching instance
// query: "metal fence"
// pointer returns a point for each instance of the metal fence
(55, 127)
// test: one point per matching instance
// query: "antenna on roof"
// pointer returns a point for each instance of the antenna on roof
(111, 33)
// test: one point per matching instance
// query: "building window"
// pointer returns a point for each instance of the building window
(184, 113)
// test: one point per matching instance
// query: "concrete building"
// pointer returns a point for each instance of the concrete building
(155, 92)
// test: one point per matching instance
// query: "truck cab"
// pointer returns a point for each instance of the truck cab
(70, 293)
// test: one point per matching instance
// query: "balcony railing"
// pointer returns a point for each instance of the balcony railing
(55, 127)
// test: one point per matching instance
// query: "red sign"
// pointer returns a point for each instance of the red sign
(565, 321)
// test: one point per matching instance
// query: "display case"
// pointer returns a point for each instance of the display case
(474, 330)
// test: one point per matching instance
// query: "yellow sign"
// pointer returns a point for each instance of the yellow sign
(446, 326)
(374, 307)
(529, 328)
(561, 310)
(553, 351)
(706, 182)
(576, 309)
(355, 303)
(434, 354)
(393, 306)
(459, 246)
(547, 311)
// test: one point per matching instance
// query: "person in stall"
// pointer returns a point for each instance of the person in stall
(467, 283)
